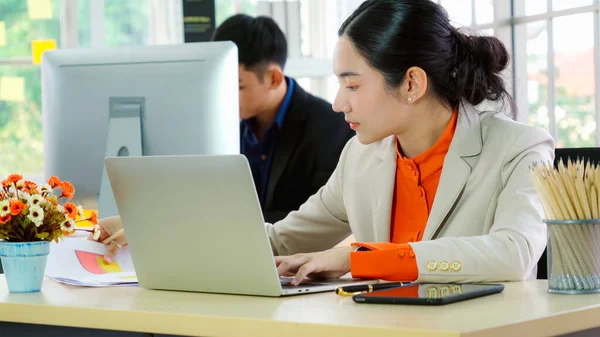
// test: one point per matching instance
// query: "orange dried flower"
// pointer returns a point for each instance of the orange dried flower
(67, 190)
(14, 178)
(71, 210)
(30, 185)
(54, 182)
(4, 219)
(94, 218)
(16, 207)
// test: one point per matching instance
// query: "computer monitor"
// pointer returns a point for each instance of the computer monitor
(144, 100)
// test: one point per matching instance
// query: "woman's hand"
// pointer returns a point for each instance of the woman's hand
(108, 227)
(328, 264)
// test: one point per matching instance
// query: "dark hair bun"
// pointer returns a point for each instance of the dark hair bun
(480, 60)
(491, 52)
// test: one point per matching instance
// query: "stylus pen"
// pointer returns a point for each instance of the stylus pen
(367, 288)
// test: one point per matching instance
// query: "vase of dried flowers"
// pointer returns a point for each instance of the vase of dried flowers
(30, 218)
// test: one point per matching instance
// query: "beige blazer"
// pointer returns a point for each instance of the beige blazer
(486, 218)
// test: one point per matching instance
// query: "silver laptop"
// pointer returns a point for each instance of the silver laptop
(194, 223)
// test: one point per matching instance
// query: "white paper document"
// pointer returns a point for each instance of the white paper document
(80, 262)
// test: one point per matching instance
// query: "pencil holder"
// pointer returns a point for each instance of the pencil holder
(573, 250)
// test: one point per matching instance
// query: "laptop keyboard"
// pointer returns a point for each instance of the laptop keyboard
(286, 282)
(288, 285)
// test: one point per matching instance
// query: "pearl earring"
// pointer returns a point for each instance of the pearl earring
(409, 99)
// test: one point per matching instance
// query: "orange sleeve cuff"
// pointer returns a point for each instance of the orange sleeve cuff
(378, 245)
(385, 261)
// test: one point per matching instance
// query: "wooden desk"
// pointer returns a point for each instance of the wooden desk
(523, 309)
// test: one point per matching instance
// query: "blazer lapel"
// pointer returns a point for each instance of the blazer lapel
(289, 138)
(467, 142)
(381, 190)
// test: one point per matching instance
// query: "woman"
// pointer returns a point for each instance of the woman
(433, 189)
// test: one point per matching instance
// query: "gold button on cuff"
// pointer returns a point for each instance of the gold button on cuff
(444, 266)
(431, 265)
(455, 266)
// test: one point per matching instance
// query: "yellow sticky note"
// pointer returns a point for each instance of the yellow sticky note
(12, 89)
(38, 47)
(39, 9)
(2, 34)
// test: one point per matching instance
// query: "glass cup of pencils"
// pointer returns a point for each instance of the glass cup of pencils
(569, 195)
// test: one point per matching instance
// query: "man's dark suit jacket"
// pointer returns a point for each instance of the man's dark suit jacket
(306, 153)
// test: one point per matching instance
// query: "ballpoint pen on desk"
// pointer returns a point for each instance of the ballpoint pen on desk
(368, 288)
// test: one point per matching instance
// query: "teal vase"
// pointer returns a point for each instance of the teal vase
(24, 265)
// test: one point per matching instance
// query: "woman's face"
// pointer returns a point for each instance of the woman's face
(372, 110)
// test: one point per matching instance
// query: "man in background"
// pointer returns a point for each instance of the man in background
(292, 140)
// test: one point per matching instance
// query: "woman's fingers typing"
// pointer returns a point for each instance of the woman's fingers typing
(303, 272)
(291, 264)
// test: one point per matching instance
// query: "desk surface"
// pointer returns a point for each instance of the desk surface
(524, 308)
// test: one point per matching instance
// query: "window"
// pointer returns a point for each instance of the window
(574, 80)
(460, 12)
(116, 23)
(556, 73)
(558, 5)
(21, 22)
(227, 8)
(126, 22)
(537, 72)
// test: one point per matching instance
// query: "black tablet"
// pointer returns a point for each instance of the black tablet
(429, 293)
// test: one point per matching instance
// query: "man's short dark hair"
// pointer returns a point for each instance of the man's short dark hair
(259, 41)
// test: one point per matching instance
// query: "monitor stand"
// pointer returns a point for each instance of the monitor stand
(124, 139)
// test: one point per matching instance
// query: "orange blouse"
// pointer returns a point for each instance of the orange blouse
(414, 192)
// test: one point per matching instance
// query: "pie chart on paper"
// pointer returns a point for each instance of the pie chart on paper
(80, 262)
(95, 264)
